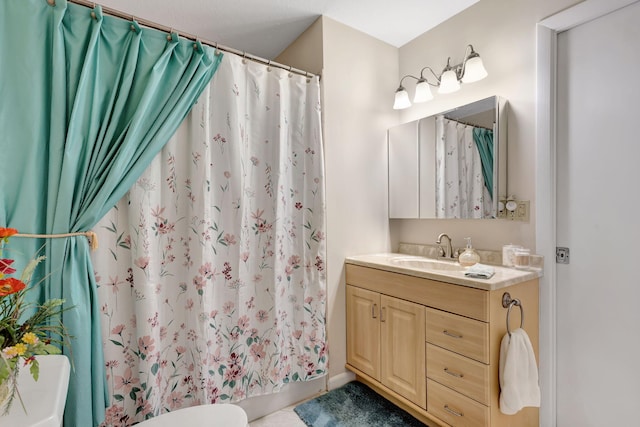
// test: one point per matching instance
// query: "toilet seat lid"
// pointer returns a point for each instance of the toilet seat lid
(213, 415)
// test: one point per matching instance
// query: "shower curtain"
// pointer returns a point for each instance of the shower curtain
(461, 190)
(211, 271)
(87, 101)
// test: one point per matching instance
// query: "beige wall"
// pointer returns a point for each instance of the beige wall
(503, 32)
(359, 77)
(305, 52)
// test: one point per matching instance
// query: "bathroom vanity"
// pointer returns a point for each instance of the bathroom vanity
(428, 338)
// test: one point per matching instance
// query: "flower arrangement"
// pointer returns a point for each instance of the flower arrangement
(26, 329)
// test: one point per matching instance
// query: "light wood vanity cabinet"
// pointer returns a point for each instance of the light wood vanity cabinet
(363, 330)
(432, 347)
(385, 343)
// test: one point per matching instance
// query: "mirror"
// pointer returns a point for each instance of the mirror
(450, 165)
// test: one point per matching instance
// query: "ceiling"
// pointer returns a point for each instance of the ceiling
(264, 28)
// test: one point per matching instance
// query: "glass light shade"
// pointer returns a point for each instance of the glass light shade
(423, 92)
(448, 82)
(402, 99)
(474, 70)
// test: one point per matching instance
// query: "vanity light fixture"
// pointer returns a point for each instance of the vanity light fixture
(469, 70)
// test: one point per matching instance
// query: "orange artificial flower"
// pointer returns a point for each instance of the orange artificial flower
(10, 286)
(19, 342)
(7, 232)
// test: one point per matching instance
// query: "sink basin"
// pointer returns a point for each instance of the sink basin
(427, 264)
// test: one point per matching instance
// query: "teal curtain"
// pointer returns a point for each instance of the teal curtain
(484, 141)
(87, 101)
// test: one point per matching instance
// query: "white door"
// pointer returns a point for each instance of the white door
(598, 215)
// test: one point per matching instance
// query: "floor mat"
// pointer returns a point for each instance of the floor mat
(354, 405)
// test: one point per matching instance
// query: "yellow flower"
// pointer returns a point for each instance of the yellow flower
(30, 338)
(21, 348)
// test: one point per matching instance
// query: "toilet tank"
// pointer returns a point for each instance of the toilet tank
(44, 399)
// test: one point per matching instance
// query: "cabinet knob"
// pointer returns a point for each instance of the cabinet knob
(382, 311)
(374, 310)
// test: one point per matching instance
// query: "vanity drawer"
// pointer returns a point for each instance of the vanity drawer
(459, 334)
(459, 373)
(454, 408)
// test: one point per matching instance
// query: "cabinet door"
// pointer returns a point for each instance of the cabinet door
(403, 348)
(363, 330)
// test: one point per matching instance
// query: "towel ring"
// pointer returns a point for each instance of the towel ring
(508, 303)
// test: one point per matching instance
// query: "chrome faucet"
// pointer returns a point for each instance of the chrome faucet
(446, 251)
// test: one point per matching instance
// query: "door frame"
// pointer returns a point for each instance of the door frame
(547, 32)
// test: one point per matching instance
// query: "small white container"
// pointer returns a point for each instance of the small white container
(522, 258)
(508, 255)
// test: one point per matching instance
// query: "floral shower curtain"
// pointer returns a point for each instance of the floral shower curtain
(461, 188)
(211, 270)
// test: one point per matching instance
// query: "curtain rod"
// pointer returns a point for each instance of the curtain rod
(164, 28)
(466, 124)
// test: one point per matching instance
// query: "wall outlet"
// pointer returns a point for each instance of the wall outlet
(520, 213)
(502, 213)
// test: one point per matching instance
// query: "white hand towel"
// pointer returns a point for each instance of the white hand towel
(480, 271)
(518, 373)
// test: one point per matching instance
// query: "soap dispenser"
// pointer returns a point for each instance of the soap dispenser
(469, 257)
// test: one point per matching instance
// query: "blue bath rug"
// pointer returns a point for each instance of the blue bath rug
(353, 405)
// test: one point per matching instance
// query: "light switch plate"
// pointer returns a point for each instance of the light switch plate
(522, 211)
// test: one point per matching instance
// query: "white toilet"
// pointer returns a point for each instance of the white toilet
(44, 400)
(216, 415)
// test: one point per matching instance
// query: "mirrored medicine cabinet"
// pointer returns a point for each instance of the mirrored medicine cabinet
(450, 165)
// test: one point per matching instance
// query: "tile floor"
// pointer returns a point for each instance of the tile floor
(283, 418)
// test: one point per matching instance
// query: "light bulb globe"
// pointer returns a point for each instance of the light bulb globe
(449, 82)
(474, 70)
(402, 99)
(423, 92)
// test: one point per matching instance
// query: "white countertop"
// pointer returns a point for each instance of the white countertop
(443, 271)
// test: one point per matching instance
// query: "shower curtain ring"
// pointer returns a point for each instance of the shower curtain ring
(134, 22)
